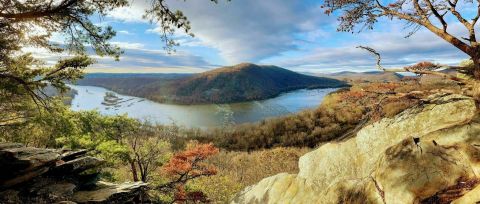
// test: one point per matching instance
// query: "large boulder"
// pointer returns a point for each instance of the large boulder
(38, 175)
(429, 153)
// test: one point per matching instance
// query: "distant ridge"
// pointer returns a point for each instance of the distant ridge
(242, 82)
(370, 76)
(137, 75)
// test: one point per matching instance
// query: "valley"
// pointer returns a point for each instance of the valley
(239, 83)
(195, 116)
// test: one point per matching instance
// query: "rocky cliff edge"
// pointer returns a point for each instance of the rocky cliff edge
(426, 154)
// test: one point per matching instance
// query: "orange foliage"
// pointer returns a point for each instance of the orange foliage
(422, 66)
(191, 160)
(353, 95)
(183, 196)
(188, 165)
(383, 87)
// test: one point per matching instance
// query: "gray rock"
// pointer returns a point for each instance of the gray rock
(21, 164)
(71, 155)
(111, 193)
(36, 175)
(10, 145)
(78, 165)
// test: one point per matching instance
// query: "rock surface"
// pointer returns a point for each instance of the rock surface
(35, 175)
(108, 192)
(426, 154)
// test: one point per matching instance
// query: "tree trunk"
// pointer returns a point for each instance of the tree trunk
(142, 171)
(134, 171)
(476, 75)
(476, 67)
(144, 176)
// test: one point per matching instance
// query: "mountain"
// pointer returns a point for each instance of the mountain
(242, 82)
(372, 76)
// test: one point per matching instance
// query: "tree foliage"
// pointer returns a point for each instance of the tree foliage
(35, 23)
(148, 150)
(186, 166)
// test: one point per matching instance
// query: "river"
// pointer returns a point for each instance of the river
(198, 116)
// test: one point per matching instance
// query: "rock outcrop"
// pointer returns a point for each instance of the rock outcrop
(36, 175)
(426, 154)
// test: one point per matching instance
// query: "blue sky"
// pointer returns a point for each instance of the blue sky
(291, 34)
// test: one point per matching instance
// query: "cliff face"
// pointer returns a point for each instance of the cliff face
(36, 175)
(429, 153)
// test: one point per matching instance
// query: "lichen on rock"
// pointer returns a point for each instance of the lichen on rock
(431, 151)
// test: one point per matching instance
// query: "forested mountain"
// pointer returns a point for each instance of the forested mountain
(242, 82)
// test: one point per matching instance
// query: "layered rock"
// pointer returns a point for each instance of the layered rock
(36, 175)
(429, 153)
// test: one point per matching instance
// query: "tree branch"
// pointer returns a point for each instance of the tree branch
(37, 14)
(439, 17)
(462, 20)
(416, 71)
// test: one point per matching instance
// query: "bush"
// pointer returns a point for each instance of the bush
(237, 170)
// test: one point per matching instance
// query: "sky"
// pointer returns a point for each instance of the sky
(293, 34)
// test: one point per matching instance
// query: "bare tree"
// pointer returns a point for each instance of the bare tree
(429, 14)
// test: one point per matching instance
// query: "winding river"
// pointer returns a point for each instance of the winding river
(198, 116)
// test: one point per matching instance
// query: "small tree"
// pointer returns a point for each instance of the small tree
(147, 152)
(186, 166)
(430, 14)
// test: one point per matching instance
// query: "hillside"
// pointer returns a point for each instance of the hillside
(237, 83)
(372, 76)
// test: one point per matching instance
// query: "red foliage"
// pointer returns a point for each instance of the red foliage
(383, 87)
(196, 196)
(353, 95)
(188, 165)
(422, 66)
(191, 161)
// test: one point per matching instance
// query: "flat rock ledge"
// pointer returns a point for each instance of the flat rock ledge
(426, 154)
(37, 175)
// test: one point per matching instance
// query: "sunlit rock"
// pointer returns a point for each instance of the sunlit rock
(427, 153)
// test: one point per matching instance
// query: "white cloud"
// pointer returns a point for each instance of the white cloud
(293, 34)
(128, 45)
(124, 32)
(250, 30)
(132, 13)
(138, 58)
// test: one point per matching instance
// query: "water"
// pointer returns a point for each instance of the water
(200, 116)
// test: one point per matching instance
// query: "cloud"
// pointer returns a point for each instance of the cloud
(396, 51)
(128, 45)
(136, 58)
(132, 14)
(292, 34)
(124, 32)
(251, 30)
